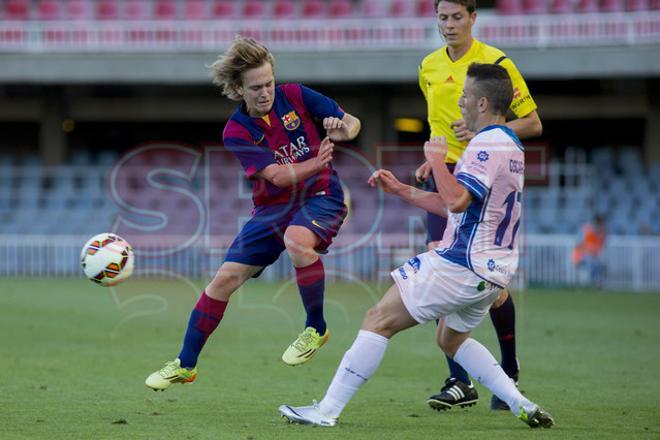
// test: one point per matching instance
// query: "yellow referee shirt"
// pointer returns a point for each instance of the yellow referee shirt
(441, 81)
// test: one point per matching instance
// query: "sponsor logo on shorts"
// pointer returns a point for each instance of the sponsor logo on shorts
(315, 223)
(415, 263)
(403, 273)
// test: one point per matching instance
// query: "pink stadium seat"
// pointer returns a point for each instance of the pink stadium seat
(534, 7)
(341, 9)
(196, 10)
(137, 10)
(17, 10)
(373, 8)
(166, 10)
(637, 5)
(254, 9)
(314, 9)
(284, 9)
(107, 9)
(426, 8)
(587, 6)
(654, 5)
(561, 7)
(223, 9)
(401, 8)
(49, 10)
(611, 6)
(78, 9)
(509, 7)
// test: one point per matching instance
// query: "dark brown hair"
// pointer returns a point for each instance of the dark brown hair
(493, 82)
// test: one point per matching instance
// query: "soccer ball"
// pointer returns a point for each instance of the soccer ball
(107, 259)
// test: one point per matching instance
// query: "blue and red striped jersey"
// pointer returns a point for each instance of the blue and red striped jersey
(286, 135)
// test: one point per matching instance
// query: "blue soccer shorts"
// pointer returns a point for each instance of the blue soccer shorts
(261, 241)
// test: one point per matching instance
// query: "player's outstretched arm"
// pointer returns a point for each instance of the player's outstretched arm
(344, 129)
(428, 201)
(290, 174)
(453, 194)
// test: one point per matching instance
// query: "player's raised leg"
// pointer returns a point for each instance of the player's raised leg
(204, 319)
(359, 363)
(481, 364)
(300, 243)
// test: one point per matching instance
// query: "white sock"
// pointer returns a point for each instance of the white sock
(480, 364)
(360, 362)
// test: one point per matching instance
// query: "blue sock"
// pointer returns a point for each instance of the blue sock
(457, 371)
(504, 320)
(204, 319)
(311, 283)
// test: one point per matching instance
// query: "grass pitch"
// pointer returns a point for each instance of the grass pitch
(74, 358)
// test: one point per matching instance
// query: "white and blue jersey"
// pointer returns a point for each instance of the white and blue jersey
(484, 238)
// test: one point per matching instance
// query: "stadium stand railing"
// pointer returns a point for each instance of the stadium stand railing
(319, 34)
(47, 213)
(631, 262)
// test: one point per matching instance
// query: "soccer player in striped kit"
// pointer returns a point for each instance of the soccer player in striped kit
(298, 200)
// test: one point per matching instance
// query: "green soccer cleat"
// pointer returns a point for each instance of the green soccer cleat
(536, 418)
(171, 373)
(304, 348)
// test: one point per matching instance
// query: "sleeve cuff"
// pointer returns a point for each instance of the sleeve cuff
(472, 184)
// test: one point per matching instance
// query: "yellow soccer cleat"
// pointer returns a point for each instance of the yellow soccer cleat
(171, 373)
(302, 349)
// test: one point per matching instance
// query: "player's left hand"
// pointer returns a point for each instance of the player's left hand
(335, 128)
(461, 131)
(435, 150)
(387, 180)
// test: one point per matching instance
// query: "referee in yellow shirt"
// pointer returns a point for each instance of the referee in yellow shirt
(441, 77)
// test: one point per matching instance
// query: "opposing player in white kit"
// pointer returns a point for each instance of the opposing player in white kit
(458, 281)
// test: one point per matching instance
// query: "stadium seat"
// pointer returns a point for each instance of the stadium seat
(373, 8)
(49, 10)
(314, 9)
(401, 8)
(425, 8)
(107, 9)
(284, 9)
(637, 5)
(509, 7)
(654, 5)
(534, 7)
(254, 9)
(137, 10)
(561, 7)
(78, 10)
(17, 10)
(223, 9)
(166, 10)
(341, 9)
(196, 10)
(587, 6)
(612, 6)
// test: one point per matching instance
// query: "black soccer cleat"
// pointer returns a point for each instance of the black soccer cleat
(454, 394)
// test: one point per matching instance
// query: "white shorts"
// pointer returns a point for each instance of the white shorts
(432, 287)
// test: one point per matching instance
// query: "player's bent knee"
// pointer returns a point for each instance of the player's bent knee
(504, 295)
(376, 321)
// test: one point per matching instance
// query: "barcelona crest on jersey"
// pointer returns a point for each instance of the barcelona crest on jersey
(291, 121)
